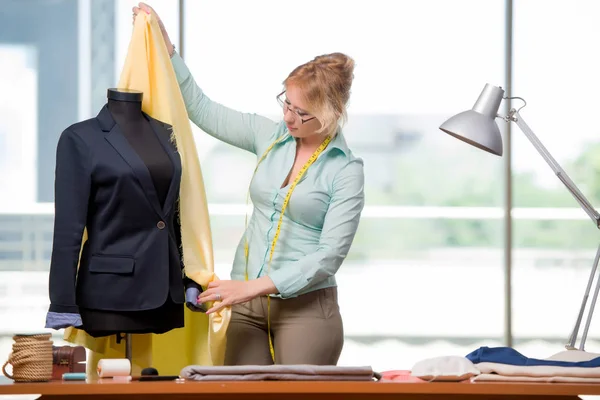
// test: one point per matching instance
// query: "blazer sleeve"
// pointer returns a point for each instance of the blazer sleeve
(71, 195)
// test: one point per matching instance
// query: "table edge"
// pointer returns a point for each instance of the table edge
(301, 387)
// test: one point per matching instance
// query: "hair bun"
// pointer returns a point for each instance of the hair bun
(339, 63)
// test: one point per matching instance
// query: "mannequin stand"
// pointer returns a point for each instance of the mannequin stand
(128, 349)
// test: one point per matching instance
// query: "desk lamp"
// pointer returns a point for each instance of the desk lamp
(478, 128)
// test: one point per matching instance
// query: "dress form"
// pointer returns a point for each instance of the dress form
(125, 107)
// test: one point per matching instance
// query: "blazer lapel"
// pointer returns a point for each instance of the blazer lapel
(163, 133)
(118, 141)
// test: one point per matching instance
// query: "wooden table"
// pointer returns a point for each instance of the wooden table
(105, 390)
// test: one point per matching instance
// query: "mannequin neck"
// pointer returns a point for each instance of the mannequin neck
(125, 112)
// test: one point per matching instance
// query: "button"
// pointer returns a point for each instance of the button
(160, 225)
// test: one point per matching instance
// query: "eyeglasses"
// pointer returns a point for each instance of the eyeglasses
(286, 106)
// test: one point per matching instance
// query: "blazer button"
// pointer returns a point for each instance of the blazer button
(160, 225)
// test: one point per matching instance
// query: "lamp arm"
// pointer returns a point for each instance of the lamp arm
(585, 204)
(514, 116)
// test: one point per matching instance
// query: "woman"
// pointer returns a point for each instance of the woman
(283, 290)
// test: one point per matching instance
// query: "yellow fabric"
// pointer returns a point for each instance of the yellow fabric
(202, 341)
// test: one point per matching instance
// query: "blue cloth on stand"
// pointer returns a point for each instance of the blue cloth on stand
(507, 355)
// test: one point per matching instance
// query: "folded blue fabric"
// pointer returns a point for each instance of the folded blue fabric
(508, 355)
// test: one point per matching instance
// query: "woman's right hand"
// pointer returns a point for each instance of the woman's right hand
(143, 7)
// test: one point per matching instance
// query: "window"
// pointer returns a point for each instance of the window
(554, 240)
(425, 274)
(429, 247)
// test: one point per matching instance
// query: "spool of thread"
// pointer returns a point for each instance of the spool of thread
(111, 367)
(31, 358)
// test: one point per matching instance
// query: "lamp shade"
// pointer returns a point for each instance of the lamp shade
(477, 126)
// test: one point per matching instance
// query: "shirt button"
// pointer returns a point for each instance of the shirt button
(160, 225)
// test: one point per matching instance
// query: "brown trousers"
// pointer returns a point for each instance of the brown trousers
(306, 329)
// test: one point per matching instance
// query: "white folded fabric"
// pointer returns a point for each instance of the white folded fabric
(537, 370)
(544, 379)
(444, 369)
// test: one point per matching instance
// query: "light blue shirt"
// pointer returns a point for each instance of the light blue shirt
(322, 215)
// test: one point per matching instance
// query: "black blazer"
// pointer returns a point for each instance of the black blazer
(131, 260)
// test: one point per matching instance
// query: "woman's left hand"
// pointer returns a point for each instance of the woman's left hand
(227, 293)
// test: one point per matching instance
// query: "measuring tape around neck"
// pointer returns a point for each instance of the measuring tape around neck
(286, 200)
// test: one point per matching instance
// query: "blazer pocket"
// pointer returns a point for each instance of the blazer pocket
(112, 265)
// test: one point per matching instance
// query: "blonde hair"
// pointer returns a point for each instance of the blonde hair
(325, 84)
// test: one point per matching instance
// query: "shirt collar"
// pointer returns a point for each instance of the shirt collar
(338, 142)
